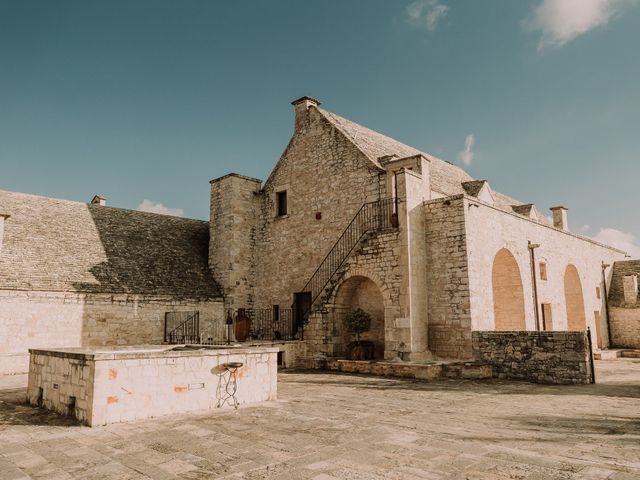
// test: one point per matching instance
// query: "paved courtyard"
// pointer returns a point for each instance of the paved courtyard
(331, 426)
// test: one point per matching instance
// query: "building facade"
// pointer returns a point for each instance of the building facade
(457, 256)
(347, 219)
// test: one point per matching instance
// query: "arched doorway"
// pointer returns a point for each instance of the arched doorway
(574, 299)
(359, 292)
(508, 294)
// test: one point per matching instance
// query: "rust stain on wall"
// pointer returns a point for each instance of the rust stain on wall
(180, 389)
(111, 399)
(113, 373)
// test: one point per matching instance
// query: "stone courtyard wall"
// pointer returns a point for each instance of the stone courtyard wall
(58, 319)
(541, 357)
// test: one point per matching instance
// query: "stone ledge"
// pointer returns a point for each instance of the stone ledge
(146, 351)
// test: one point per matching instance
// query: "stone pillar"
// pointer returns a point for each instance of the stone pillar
(630, 289)
(412, 188)
(232, 230)
(560, 218)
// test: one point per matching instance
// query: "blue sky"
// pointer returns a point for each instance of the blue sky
(148, 100)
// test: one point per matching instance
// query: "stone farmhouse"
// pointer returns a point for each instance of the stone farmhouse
(348, 218)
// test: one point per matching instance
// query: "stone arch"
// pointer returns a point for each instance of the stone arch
(508, 293)
(358, 289)
(362, 272)
(574, 299)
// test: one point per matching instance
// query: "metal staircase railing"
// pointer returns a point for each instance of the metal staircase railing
(372, 217)
(187, 330)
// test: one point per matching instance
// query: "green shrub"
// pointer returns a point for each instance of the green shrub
(358, 321)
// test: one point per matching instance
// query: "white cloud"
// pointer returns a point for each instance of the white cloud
(560, 21)
(466, 156)
(585, 228)
(618, 239)
(426, 13)
(157, 207)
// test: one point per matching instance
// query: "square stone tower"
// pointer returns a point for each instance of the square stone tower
(232, 236)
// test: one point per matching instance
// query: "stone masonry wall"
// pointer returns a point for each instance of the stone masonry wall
(449, 328)
(624, 309)
(111, 387)
(58, 319)
(325, 176)
(540, 357)
(377, 258)
(625, 327)
(233, 220)
(53, 381)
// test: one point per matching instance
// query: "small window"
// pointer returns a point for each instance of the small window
(281, 203)
(543, 271)
(597, 292)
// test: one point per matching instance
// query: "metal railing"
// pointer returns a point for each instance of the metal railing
(258, 325)
(267, 325)
(182, 327)
(375, 216)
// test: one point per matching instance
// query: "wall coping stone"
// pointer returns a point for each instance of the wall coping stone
(145, 351)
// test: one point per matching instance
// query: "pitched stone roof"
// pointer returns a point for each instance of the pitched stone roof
(60, 245)
(446, 178)
(620, 270)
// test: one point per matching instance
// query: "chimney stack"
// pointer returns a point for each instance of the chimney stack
(99, 200)
(560, 218)
(302, 106)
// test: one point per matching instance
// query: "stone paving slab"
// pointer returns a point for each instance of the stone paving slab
(328, 426)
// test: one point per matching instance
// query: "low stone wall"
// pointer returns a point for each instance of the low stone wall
(104, 386)
(418, 371)
(540, 357)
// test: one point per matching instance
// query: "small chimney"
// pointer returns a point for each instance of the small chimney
(302, 106)
(99, 200)
(630, 289)
(560, 218)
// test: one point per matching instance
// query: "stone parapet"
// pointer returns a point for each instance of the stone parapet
(540, 357)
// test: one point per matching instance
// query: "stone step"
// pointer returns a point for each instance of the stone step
(630, 353)
(607, 354)
(613, 353)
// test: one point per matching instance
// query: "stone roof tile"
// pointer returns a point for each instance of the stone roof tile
(446, 178)
(61, 245)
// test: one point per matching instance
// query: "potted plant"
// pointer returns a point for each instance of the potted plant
(358, 321)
